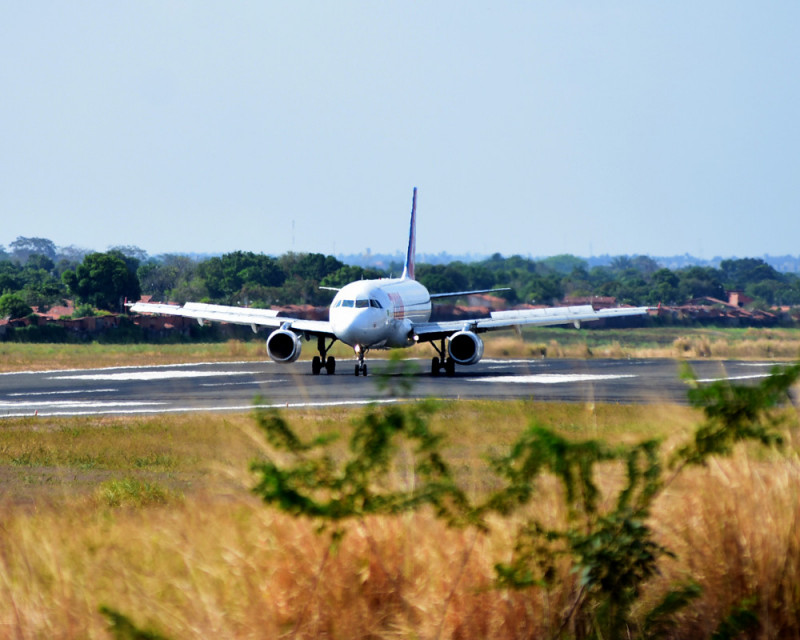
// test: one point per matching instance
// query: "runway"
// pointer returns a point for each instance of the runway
(234, 386)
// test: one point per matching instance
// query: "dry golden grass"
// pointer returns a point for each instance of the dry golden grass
(765, 344)
(200, 557)
(734, 526)
(665, 342)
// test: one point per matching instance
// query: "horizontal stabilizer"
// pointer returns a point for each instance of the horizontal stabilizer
(457, 294)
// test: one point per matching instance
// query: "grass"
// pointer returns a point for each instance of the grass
(153, 517)
(132, 492)
(550, 342)
(652, 342)
(30, 356)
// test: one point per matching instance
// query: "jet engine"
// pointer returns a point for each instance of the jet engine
(283, 346)
(465, 347)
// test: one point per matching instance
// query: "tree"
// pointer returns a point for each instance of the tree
(13, 306)
(39, 261)
(226, 276)
(309, 266)
(103, 280)
(697, 282)
(542, 290)
(22, 248)
(35, 282)
(737, 274)
(564, 263)
(10, 276)
(191, 290)
(131, 251)
(440, 278)
(69, 258)
(479, 277)
(621, 263)
(664, 288)
(159, 277)
(644, 265)
(347, 274)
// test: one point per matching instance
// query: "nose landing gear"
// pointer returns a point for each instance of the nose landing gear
(361, 367)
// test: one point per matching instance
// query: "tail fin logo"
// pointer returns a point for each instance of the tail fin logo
(408, 270)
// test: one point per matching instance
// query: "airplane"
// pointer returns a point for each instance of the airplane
(383, 314)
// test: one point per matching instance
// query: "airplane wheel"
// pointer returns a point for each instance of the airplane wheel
(364, 371)
(435, 366)
(316, 365)
(450, 367)
(330, 366)
(358, 370)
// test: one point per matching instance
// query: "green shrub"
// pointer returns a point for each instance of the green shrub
(130, 492)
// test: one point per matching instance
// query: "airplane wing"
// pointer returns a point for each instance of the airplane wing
(236, 315)
(426, 331)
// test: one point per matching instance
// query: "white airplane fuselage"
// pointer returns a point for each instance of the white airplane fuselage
(379, 313)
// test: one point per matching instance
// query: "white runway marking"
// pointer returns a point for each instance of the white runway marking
(69, 405)
(239, 384)
(150, 375)
(60, 393)
(752, 377)
(500, 367)
(144, 366)
(551, 378)
(760, 364)
(249, 407)
(75, 403)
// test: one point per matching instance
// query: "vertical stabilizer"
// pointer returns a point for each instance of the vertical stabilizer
(408, 269)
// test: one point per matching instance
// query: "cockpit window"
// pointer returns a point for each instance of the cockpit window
(347, 303)
(362, 303)
(375, 304)
(338, 303)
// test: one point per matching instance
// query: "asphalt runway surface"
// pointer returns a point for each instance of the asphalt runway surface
(234, 386)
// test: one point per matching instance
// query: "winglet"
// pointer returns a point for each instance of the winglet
(408, 269)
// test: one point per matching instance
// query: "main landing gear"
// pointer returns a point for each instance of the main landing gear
(442, 361)
(361, 367)
(322, 361)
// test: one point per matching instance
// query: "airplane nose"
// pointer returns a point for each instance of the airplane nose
(357, 326)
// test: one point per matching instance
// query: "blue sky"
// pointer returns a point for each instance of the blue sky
(535, 128)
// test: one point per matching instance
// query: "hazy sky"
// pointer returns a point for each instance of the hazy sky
(529, 127)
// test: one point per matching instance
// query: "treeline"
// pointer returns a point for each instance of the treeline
(34, 272)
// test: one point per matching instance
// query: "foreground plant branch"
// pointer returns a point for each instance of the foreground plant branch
(614, 553)
(317, 485)
(611, 553)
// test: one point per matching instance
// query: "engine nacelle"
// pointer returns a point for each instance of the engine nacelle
(465, 347)
(283, 346)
